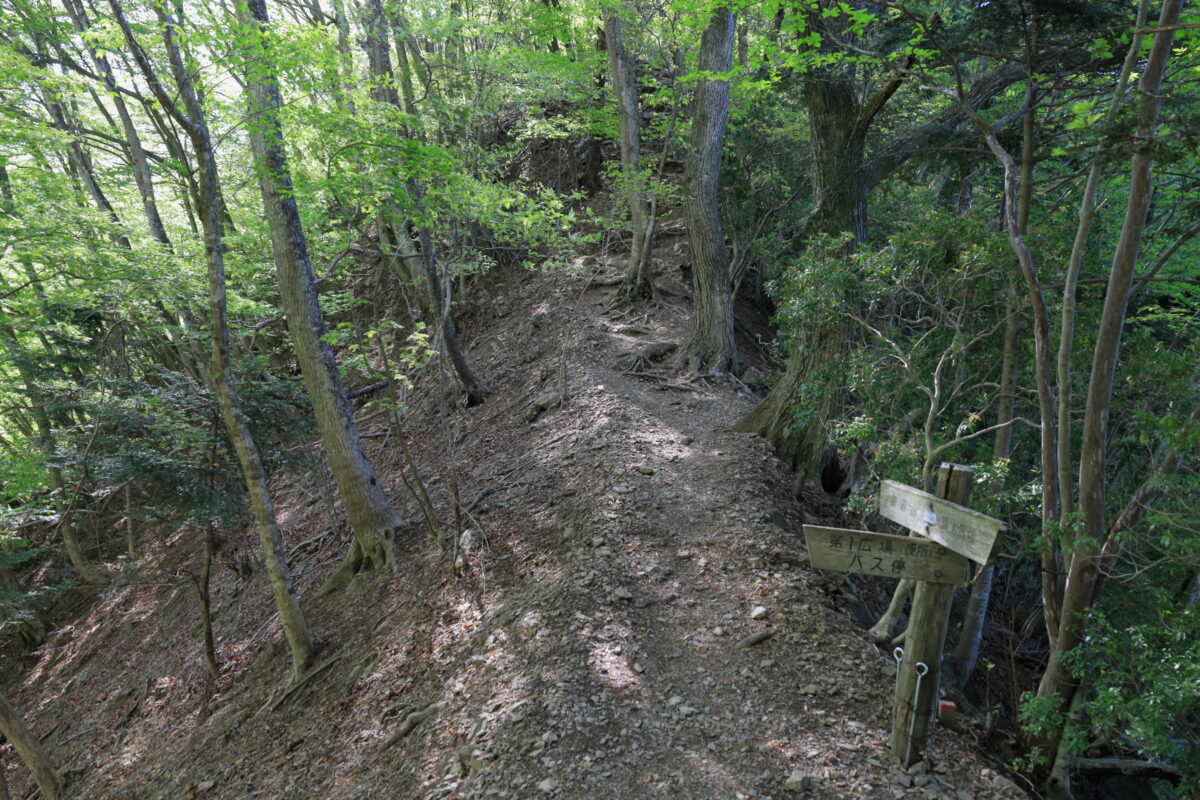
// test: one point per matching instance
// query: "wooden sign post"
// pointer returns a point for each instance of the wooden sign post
(921, 665)
(945, 535)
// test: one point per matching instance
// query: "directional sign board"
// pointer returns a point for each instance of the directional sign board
(964, 531)
(886, 556)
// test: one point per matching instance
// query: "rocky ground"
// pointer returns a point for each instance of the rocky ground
(632, 615)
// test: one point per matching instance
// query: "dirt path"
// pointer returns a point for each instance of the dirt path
(625, 544)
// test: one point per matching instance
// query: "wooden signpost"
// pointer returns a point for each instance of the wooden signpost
(964, 531)
(945, 534)
(886, 556)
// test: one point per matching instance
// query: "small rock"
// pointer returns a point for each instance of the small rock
(597, 541)
(919, 768)
(759, 612)
(549, 785)
(204, 786)
(687, 710)
(962, 794)
(798, 782)
(639, 667)
(902, 779)
(810, 689)
(718, 631)
(643, 469)
(756, 638)
(623, 593)
(921, 780)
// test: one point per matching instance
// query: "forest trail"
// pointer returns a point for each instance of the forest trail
(626, 543)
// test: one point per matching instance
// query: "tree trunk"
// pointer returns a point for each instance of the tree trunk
(137, 154)
(371, 515)
(38, 401)
(639, 275)
(839, 123)
(375, 43)
(711, 345)
(192, 119)
(30, 750)
(1083, 571)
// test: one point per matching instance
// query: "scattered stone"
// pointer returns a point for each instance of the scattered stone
(903, 779)
(643, 469)
(718, 631)
(623, 593)
(756, 638)
(759, 612)
(687, 710)
(549, 785)
(597, 541)
(798, 782)
(810, 689)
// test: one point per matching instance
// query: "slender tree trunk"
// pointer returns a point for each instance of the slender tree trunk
(193, 120)
(38, 401)
(137, 154)
(29, 749)
(371, 514)
(1083, 572)
(639, 275)
(1087, 215)
(375, 43)
(711, 345)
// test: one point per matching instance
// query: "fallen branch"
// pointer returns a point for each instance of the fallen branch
(1128, 766)
(366, 390)
(410, 722)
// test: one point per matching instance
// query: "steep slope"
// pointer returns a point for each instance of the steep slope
(625, 544)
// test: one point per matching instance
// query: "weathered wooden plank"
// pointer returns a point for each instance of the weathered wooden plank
(964, 531)
(867, 553)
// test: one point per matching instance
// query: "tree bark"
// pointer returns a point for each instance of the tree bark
(372, 517)
(639, 274)
(711, 346)
(30, 749)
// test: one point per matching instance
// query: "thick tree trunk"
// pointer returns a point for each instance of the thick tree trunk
(839, 123)
(639, 275)
(372, 517)
(711, 345)
(30, 750)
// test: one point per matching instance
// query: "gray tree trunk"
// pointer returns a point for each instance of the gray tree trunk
(639, 274)
(711, 345)
(30, 750)
(372, 517)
